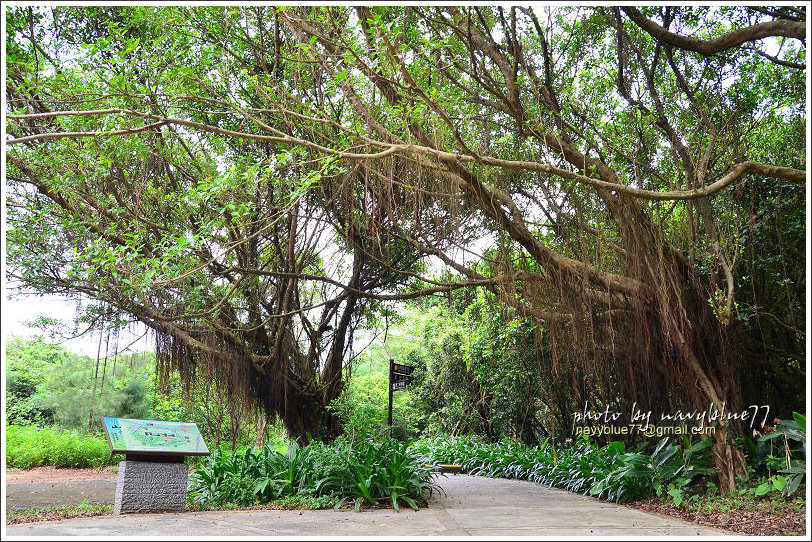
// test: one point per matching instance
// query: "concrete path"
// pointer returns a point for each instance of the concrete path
(472, 506)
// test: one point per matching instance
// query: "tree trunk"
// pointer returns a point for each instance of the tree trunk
(728, 460)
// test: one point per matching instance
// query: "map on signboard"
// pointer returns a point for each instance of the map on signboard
(150, 436)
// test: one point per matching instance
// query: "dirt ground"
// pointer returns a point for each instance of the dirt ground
(45, 487)
(51, 474)
(791, 522)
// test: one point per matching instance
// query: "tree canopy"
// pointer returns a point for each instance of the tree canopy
(253, 183)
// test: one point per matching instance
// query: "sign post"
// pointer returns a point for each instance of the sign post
(389, 418)
(153, 477)
(399, 378)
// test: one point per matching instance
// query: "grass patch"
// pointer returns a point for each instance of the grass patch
(293, 502)
(32, 446)
(53, 513)
(304, 502)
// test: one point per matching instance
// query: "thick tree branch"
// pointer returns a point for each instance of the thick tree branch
(454, 158)
(780, 28)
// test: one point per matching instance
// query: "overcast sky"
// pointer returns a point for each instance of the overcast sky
(19, 310)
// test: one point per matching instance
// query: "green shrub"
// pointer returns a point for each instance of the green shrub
(47, 384)
(668, 470)
(32, 446)
(365, 471)
(370, 471)
(795, 431)
(28, 364)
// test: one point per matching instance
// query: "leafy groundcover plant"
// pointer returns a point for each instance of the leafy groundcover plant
(608, 472)
(789, 479)
(361, 472)
(33, 446)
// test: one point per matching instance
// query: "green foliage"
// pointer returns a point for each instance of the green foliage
(670, 468)
(768, 487)
(745, 501)
(71, 393)
(771, 280)
(795, 467)
(221, 418)
(28, 364)
(120, 215)
(221, 478)
(369, 471)
(362, 406)
(22, 405)
(131, 217)
(47, 384)
(33, 446)
(476, 369)
(605, 472)
(305, 502)
(360, 472)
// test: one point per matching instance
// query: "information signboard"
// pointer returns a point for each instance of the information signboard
(401, 379)
(402, 369)
(399, 376)
(398, 386)
(143, 437)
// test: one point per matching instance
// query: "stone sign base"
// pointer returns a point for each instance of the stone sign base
(151, 486)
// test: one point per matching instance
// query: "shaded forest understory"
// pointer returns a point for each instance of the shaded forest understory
(567, 209)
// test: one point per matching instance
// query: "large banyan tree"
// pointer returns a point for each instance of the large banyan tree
(253, 182)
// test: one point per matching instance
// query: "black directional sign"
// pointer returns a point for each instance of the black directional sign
(398, 386)
(406, 379)
(400, 376)
(402, 369)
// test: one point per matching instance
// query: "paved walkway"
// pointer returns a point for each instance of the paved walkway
(472, 506)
